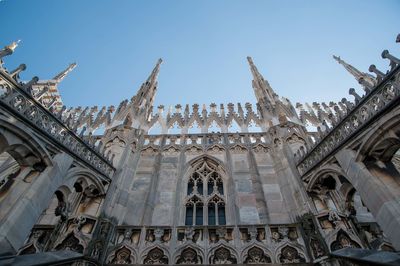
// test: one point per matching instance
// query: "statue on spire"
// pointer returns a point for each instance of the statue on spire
(13, 45)
(8, 50)
(361, 77)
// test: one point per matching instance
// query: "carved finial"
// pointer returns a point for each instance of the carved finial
(15, 72)
(59, 77)
(394, 61)
(379, 74)
(357, 98)
(28, 85)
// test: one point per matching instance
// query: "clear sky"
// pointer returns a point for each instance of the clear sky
(204, 45)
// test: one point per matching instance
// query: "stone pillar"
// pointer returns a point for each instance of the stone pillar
(16, 190)
(16, 227)
(384, 205)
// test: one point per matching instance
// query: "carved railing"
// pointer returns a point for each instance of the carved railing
(367, 109)
(16, 98)
(239, 244)
(217, 142)
(273, 235)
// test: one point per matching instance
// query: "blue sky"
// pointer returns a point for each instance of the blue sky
(204, 45)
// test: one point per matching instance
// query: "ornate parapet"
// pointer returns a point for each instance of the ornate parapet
(214, 143)
(358, 116)
(248, 244)
(17, 99)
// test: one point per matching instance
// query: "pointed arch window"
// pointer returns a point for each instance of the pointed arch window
(205, 201)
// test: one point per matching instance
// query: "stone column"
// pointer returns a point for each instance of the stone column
(16, 227)
(16, 190)
(384, 205)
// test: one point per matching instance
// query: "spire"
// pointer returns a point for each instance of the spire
(59, 77)
(357, 74)
(264, 93)
(154, 74)
(146, 93)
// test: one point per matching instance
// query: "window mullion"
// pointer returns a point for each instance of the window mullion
(216, 213)
(194, 214)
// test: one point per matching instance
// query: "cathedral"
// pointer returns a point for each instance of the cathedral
(273, 183)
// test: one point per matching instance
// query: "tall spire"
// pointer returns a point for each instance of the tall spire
(146, 93)
(154, 74)
(263, 91)
(59, 77)
(357, 74)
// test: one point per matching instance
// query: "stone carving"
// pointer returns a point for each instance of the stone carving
(37, 242)
(290, 255)
(156, 256)
(158, 234)
(223, 256)
(256, 255)
(61, 210)
(189, 256)
(122, 256)
(97, 248)
(253, 233)
(343, 241)
(316, 248)
(70, 243)
(313, 236)
(275, 236)
(189, 233)
(259, 148)
(128, 235)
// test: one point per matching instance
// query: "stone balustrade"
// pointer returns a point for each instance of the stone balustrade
(16, 98)
(366, 110)
(247, 244)
(267, 234)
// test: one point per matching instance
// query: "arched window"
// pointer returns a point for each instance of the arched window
(205, 202)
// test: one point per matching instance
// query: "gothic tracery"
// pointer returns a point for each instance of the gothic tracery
(205, 196)
(256, 255)
(156, 256)
(189, 256)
